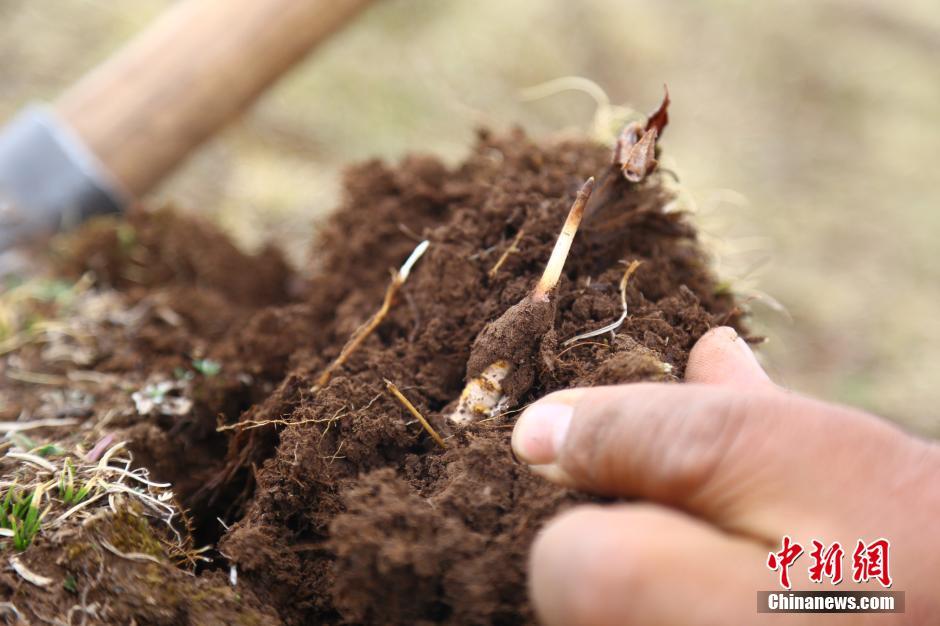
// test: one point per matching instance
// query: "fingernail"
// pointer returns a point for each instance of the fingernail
(540, 432)
(742, 345)
(745, 349)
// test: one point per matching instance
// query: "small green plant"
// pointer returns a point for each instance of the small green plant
(67, 486)
(44, 450)
(21, 514)
(52, 290)
(207, 367)
(182, 374)
(22, 441)
(126, 236)
(49, 449)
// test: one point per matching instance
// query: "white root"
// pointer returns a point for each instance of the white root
(106, 457)
(78, 507)
(409, 263)
(481, 397)
(8, 608)
(14, 427)
(28, 575)
(130, 556)
(32, 459)
(623, 316)
(606, 115)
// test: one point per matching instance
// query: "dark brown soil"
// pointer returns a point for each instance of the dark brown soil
(94, 586)
(343, 509)
(359, 517)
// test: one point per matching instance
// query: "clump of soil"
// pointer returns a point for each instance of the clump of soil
(359, 517)
(341, 508)
(131, 580)
(161, 248)
(153, 309)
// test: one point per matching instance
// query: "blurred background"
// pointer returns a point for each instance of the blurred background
(807, 133)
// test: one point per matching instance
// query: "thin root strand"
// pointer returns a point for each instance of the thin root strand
(623, 302)
(361, 333)
(415, 412)
(513, 248)
(251, 424)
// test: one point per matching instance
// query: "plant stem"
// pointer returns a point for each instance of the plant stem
(556, 262)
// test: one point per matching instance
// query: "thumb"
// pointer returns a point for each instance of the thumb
(733, 457)
(721, 357)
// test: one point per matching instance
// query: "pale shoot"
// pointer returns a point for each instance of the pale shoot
(493, 359)
(482, 395)
(556, 261)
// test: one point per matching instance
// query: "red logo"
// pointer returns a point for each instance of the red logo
(869, 561)
(784, 559)
(827, 563)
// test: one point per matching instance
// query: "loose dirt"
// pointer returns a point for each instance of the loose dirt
(334, 505)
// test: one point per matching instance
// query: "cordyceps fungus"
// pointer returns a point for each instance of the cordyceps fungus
(635, 152)
(634, 156)
(499, 367)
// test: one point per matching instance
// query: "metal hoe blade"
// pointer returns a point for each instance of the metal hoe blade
(49, 180)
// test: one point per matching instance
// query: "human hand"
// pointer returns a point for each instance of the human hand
(721, 468)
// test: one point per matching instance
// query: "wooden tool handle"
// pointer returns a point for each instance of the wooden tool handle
(199, 65)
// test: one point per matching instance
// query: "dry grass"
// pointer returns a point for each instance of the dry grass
(405, 402)
(512, 249)
(74, 487)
